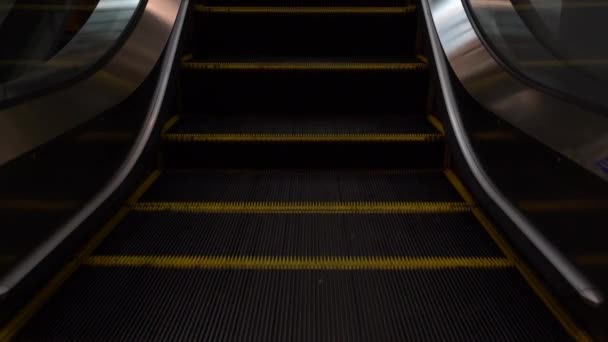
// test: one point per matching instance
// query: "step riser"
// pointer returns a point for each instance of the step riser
(428, 155)
(285, 92)
(220, 35)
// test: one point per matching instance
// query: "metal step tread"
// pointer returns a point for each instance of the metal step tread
(294, 305)
(313, 235)
(409, 65)
(302, 186)
(302, 128)
(302, 10)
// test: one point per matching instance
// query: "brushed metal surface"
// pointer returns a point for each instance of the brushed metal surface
(450, 31)
(577, 133)
(100, 33)
(160, 24)
(31, 124)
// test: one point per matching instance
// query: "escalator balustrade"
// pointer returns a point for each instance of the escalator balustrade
(304, 195)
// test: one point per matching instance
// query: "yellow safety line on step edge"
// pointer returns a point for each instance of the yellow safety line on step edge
(439, 126)
(305, 10)
(296, 263)
(8, 332)
(562, 316)
(436, 123)
(423, 59)
(169, 124)
(304, 66)
(304, 207)
(367, 172)
(187, 57)
(301, 137)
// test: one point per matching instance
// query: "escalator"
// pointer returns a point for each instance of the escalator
(305, 192)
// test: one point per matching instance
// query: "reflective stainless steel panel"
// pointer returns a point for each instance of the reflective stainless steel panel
(96, 38)
(28, 125)
(577, 133)
(161, 22)
(448, 27)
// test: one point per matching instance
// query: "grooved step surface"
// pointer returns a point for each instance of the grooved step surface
(274, 305)
(414, 235)
(305, 66)
(304, 124)
(301, 186)
(305, 9)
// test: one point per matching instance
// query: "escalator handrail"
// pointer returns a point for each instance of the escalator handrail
(578, 281)
(167, 14)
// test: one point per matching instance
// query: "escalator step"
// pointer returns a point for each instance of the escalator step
(292, 138)
(297, 141)
(303, 124)
(305, 66)
(265, 263)
(305, 207)
(286, 305)
(303, 3)
(301, 186)
(411, 235)
(306, 10)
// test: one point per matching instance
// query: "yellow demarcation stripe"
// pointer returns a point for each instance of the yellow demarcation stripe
(423, 59)
(562, 205)
(301, 137)
(38, 205)
(187, 57)
(12, 327)
(295, 263)
(169, 124)
(552, 304)
(439, 127)
(366, 172)
(304, 207)
(436, 123)
(304, 66)
(306, 10)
